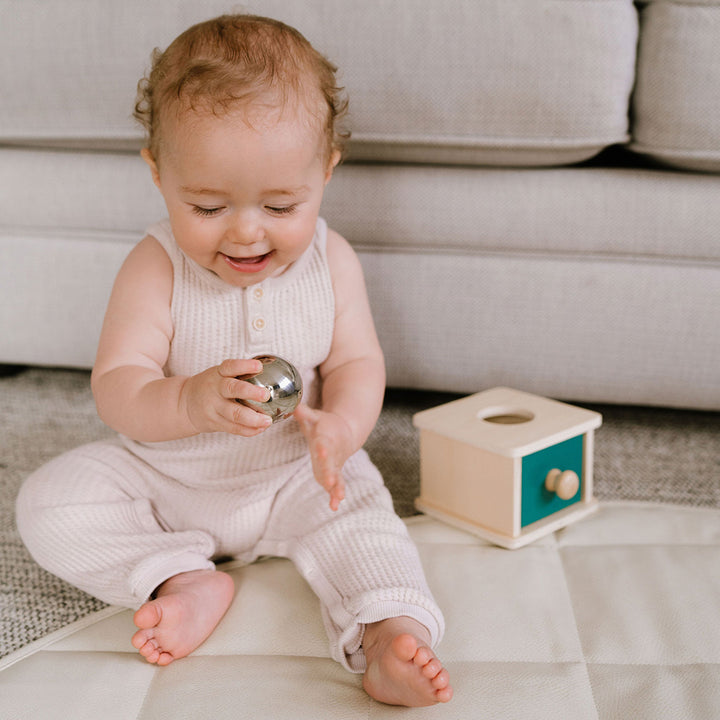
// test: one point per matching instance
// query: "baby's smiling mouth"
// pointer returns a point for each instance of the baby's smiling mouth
(248, 264)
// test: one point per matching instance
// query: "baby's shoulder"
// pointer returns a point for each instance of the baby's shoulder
(338, 249)
(146, 264)
(152, 253)
(344, 265)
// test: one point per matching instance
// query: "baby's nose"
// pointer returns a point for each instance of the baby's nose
(247, 229)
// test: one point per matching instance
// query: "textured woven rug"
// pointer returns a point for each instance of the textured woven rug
(641, 454)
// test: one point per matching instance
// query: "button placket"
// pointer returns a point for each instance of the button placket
(258, 313)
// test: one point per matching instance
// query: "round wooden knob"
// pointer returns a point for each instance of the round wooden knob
(564, 483)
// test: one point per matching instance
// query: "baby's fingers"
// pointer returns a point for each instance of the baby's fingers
(327, 472)
(239, 419)
(232, 380)
(337, 493)
(235, 389)
(233, 367)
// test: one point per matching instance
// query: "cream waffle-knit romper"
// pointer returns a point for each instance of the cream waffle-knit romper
(117, 518)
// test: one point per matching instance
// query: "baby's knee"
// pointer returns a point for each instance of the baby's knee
(36, 493)
(39, 495)
(72, 479)
(50, 485)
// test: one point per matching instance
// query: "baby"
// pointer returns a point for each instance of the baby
(241, 114)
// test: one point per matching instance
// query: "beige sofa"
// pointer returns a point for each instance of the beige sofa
(533, 185)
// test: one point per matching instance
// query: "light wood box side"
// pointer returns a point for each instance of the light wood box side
(472, 484)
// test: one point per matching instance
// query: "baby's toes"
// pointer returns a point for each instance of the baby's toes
(432, 668)
(164, 659)
(441, 680)
(140, 638)
(423, 656)
(150, 651)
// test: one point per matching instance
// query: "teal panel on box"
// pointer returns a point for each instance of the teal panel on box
(536, 502)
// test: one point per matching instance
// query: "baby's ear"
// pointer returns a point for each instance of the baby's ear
(332, 164)
(147, 156)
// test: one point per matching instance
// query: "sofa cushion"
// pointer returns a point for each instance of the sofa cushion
(676, 101)
(497, 82)
(618, 212)
(578, 283)
(512, 82)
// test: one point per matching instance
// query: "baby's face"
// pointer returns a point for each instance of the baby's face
(243, 199)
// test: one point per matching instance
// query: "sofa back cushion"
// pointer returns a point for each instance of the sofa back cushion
(500, 82)
(676, 104)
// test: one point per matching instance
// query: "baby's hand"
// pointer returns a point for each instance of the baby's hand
(330, 442)
(209, 399)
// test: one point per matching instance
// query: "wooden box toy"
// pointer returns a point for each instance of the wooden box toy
(507, 465)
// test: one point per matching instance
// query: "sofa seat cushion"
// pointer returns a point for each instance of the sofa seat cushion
(592, 283)
(622, 212)
(511, 82)
(676, 101)
(591, 212)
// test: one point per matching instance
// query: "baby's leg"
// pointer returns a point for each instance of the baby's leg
(88, 517)
(365, 569)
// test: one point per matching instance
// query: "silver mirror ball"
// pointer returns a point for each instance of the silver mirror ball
(284, 382)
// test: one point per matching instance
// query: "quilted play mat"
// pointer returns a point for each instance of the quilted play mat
(617, 616)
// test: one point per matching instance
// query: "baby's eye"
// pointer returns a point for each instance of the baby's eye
(206, 212)
(283, 210)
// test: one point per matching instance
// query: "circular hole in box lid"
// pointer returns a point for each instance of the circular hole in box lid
(505, 415)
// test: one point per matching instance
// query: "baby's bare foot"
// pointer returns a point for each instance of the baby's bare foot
(186, 610)
(401, 667)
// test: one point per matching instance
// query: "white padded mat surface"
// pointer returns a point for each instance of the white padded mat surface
(617, 616)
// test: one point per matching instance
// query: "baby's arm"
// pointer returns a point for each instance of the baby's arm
(132, 394)
(353, 376)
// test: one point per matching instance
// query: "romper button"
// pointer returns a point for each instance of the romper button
(258, 293)
(259, 323)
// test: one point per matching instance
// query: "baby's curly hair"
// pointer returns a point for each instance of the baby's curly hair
(235, 58)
